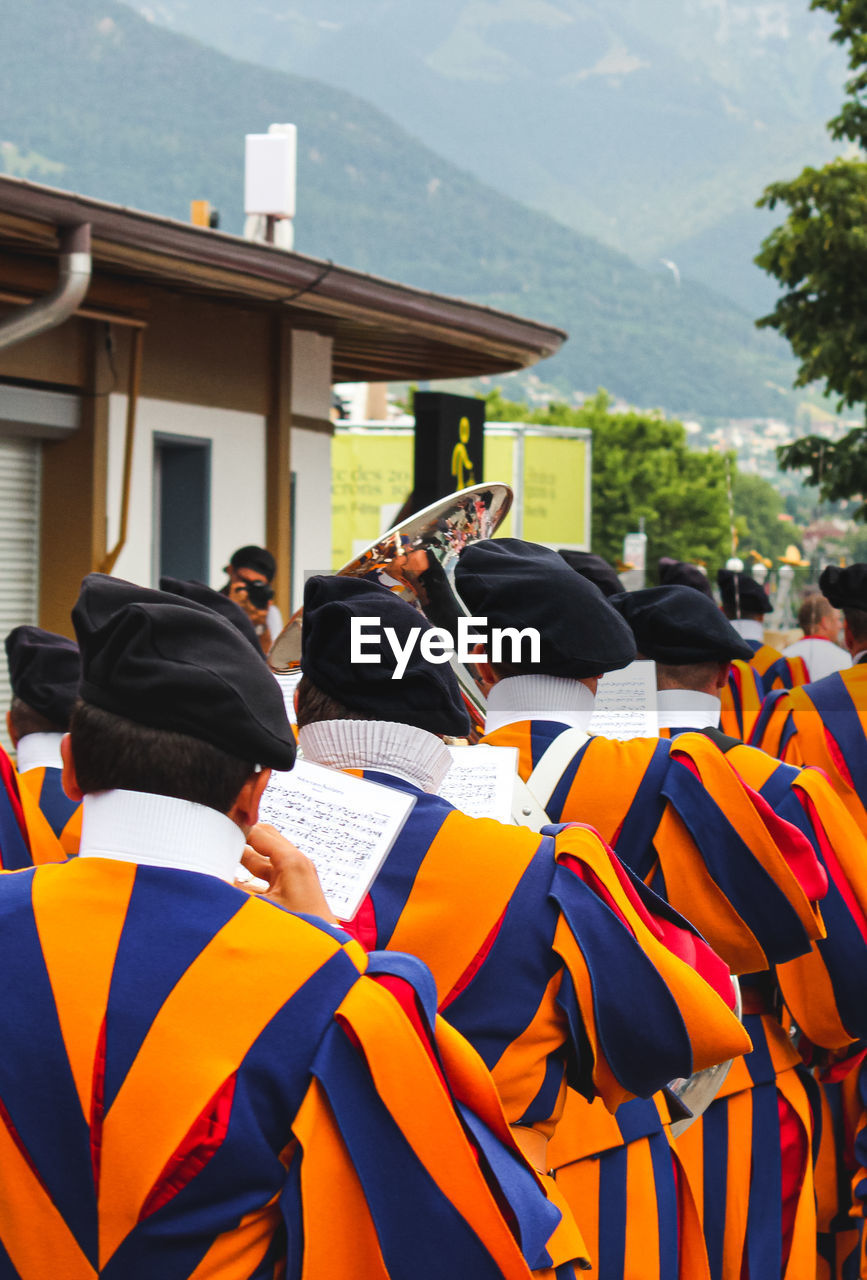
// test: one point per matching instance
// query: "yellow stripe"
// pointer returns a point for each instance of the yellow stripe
(520, 1072)
(579, 1184)
(96, 891)
(35, 1236)
(607, 782)
(641, 1252)
(44, 845)
(235, 1254)
(470, 860)
(158, 1103)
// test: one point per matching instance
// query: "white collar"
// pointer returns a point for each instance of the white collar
(403, 750)
(539, 698)
(160, 831)
(859, 653)
(687, 709)
(38, 751)
(749, 629)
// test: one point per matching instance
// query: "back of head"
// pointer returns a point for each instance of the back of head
(680, 573)
(594, 569)
(173, 701)
(683, 631)
(516, 584)
(44, 671)
(742, 596)
(259, 559)
(815, 607)
(424, 694)
(846, 589)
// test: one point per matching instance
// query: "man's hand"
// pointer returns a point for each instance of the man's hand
(291, 876)
(238, 593)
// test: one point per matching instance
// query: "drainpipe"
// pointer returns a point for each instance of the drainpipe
(59, 305)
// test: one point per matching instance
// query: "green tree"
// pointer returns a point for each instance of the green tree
(758, 507)
(642, 466)
(819, 257)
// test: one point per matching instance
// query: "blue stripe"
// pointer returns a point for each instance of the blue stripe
(634, 844)
(638, 1118)
(779, 670)
(838, 713)
(715, 1156)
(36, 1083)
(765, 1213)
(666, 1207)
(14, 852)
(758, 1062)
(190, 909)
(765, 714)
(421, 1234)
(612, 1214)
(54, 802)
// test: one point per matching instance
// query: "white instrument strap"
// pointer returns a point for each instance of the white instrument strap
(531, 797)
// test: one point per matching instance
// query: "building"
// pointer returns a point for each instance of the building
(184, 406)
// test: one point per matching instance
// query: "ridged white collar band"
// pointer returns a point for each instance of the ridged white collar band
(160, 831)
(687, 709)
(539, 698)
(749, 629)
(38, 751)
(409, 753)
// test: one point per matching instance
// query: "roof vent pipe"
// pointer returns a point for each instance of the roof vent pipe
(57, 306)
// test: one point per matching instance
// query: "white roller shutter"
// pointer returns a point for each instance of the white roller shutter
(20, 462)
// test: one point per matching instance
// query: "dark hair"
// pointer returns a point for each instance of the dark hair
(23, 720)
(256, 558)
(314, 705)
(857, 622)
(111, 752)
(688, 675)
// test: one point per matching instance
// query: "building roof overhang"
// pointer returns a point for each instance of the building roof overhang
(382, 331)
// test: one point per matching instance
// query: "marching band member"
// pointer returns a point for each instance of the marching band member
(692, 643)
(681, 818)
(44, 671)
(194, 1081)
(548, 955)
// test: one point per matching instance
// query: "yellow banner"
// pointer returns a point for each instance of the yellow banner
(371, 479)
(555, 490)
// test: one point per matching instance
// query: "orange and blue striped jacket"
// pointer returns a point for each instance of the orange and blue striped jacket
(553, 960)
(212, 1086)
(62, 815)
(26, 839)
(749, 682)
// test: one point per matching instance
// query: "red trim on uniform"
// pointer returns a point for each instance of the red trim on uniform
(834, 869)
(799, 854)
(6, 1119)
(97, 1105)
(405, 995)
(202, 1142)
(10, 782)
(837, 756)
(362, 926)
(475, 964)
(794, 1150)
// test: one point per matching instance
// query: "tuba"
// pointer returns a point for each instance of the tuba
(416, 559)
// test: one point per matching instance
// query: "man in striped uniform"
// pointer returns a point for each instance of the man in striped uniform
(764, 1096)
(682, 819)
(194, 1081)
(44, 671)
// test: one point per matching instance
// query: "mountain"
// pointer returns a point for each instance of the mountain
(652, 125)
(99, 100)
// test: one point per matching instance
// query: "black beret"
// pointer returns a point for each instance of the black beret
(255, 558)
(44, 671)
(594, 569)
(172, 664)
(677, 625)
(427, 695)
(742, 594)
(512, 583)
(226, 608)
(681, 573)
(845, 588)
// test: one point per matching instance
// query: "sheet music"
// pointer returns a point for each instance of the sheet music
(626, 703)
(481, 780)
(345, 825)
(288, 682)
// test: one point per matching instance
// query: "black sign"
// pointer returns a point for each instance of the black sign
(449, 445)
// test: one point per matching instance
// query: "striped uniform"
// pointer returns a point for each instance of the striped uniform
(215, 1087)
(26, 839)
(826, 992)
(45, 803)
(749, 682)
(525, 937)
(680, 817)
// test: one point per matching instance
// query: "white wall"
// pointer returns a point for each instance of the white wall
(237, 480)
(311, 462)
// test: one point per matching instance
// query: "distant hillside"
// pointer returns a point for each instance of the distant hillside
(650, 124)
(96, 99)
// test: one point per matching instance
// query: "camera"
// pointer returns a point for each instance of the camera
(260, 594)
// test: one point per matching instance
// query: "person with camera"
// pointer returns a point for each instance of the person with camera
(251, 571)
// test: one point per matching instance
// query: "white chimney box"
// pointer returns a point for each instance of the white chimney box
(269, 172)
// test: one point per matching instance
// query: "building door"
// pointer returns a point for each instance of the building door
(182, 508)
